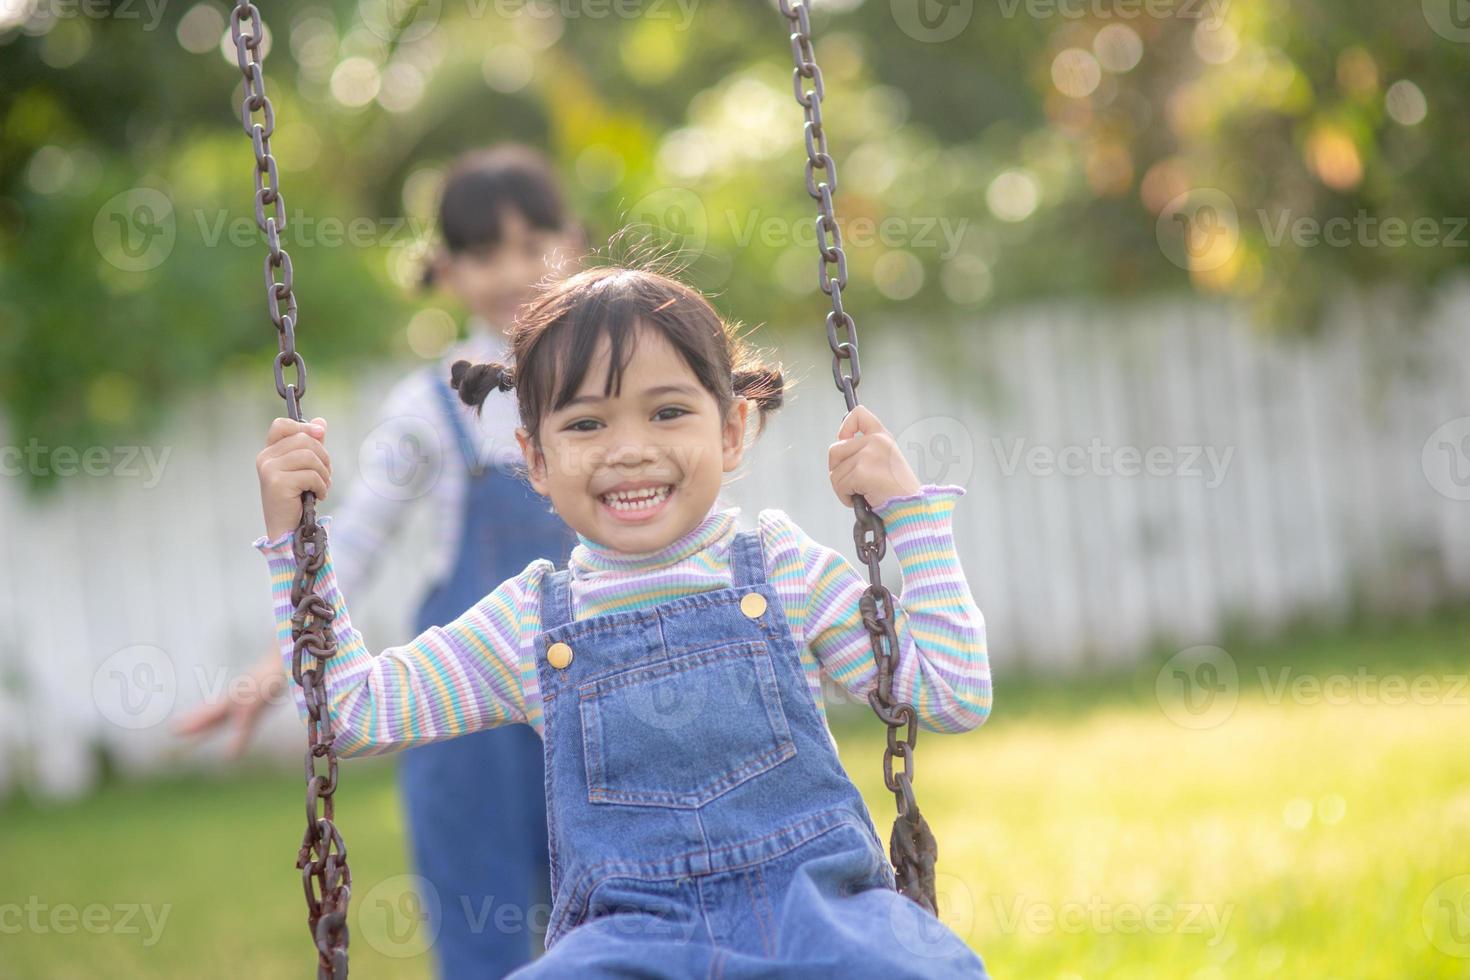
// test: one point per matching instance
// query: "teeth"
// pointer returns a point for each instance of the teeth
(631, 500)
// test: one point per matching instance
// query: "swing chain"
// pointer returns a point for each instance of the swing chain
(322, 858)
(912, 846)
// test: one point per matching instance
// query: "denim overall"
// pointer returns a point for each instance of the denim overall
(701, 824)
(476, 813)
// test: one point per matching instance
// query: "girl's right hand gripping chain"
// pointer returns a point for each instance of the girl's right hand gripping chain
(293, 461)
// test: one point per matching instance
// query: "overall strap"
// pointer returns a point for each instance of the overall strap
(747, 563)
(455, 410)
(556, 600)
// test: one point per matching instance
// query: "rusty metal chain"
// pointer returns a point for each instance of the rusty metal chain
(912, 847)
(322, 858)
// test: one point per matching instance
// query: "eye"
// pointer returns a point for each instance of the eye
(583, 425)
(669, 413)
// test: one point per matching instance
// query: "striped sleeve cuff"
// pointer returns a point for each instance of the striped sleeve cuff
(914, 521)
(281, 558)
(284, 544)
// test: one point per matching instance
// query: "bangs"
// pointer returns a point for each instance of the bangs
(570, 345)
(617, 307)
(557, 336)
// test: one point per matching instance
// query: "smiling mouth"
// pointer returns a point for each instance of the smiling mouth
(632, 503)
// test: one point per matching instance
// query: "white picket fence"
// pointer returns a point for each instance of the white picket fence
(1279, 478)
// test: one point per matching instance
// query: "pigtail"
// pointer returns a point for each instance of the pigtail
(764, 385)
(474, 382)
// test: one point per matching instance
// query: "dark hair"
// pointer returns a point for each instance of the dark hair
(482, 185)
(555, 336)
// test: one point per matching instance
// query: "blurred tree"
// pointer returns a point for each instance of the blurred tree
(988, 153)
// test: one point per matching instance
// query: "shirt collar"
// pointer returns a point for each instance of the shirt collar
(590, 557)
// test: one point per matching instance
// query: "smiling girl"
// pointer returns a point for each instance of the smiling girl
(700, 822)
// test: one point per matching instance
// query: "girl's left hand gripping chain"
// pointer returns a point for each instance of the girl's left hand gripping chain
(866, 460)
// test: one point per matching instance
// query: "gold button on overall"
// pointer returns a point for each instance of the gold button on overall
(753, 604)
(559, 655)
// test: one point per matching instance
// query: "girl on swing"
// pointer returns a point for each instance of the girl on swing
(700, 822)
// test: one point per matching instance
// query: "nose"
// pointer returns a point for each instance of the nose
(632, 453)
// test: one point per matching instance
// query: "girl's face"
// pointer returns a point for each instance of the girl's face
(494, 283)
(638, 469)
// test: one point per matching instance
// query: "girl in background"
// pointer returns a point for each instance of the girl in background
(504, 226)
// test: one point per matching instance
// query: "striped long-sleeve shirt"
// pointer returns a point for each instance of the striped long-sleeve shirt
(480, 670)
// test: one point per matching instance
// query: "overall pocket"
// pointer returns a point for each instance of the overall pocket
(680, 732)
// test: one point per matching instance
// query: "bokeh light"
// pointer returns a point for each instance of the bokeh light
(508, 68)
(966, 280)
(402, 88)
(1216, 41)
(1118, 48)
(1334, 158)
(1013, 195)
(898, 274)
(1076, 73)
(430, 332)
(202, 28)
(355, 82)
(1405, 103)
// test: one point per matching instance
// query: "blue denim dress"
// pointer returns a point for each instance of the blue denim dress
(701, 824)
(456, 790)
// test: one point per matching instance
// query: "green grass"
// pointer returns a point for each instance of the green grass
(1082, 834)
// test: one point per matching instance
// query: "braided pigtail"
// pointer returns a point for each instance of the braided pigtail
(474, 382)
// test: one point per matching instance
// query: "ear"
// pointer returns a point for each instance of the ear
(732, 433)
(443, 265)
(535, 461)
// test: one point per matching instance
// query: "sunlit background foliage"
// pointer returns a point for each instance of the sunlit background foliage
(1049, 140)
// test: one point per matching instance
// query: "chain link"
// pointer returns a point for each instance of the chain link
(912, 847)
(322, 858)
